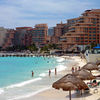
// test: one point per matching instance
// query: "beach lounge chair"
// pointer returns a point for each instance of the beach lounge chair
(98, 83)
(87, 90)
(95, 90)
(93, 84)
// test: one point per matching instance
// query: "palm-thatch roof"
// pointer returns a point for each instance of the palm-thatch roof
(84, 75)
(90, 66)
(69, 82)
(98, 62)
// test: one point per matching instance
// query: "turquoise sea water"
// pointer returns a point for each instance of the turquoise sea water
(16, 79)
(17, 69)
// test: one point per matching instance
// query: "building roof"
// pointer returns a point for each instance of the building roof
(23, 27)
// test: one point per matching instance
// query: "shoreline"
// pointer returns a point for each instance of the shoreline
(25, 84)
(31, 90)
(53, 94)
(62, 73)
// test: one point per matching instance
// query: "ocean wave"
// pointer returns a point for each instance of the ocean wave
(23, 83)
(60, 59)
(1, 91)
(61, 67)
(42, 75)
(30, 94)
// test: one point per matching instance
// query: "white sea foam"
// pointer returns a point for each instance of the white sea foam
(1, 91)
(42, 75)
(61, 68)
(30, 94)
(60, 59)
(24, 83)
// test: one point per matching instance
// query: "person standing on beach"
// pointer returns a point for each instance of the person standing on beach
(75, 69)
(79, 68)
(72, 70)
(49, 72)
(55, 71)
(32, 73)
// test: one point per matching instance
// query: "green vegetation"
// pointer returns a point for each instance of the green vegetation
(32, 48)
(21, 48)
(93, 45)
(52, 46)
(16, 48)
(45, 49)
(49, 47)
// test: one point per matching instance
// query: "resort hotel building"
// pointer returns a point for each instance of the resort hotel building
(6, 37)
(76, 33)
(39, 34)
(82, 31)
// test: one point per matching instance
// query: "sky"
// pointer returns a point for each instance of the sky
(20, 13)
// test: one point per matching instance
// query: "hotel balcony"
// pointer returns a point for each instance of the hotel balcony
(81, 20)
(72, 30)
(63, 39)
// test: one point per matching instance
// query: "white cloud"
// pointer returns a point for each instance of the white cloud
(27, 12)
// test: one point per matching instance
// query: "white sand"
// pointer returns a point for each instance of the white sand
(53, 94)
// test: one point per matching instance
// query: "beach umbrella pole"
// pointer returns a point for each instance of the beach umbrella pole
(90, 71)
(70, 95)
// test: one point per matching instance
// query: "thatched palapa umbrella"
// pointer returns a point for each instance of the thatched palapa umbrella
(84, 75)
(98, 62)
(90, 66)
(69, 82)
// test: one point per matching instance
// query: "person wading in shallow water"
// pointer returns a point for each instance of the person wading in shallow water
(32, 73)
(49, 72)
(55, 71)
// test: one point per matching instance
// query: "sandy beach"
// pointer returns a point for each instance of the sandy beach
(53, 94)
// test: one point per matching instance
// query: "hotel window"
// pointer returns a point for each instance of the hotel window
(89, 31)
(89, 28)
(94, 35)
(94, 22)
(77, 38)
(94, 31)
(82, 38)
(94, 28)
